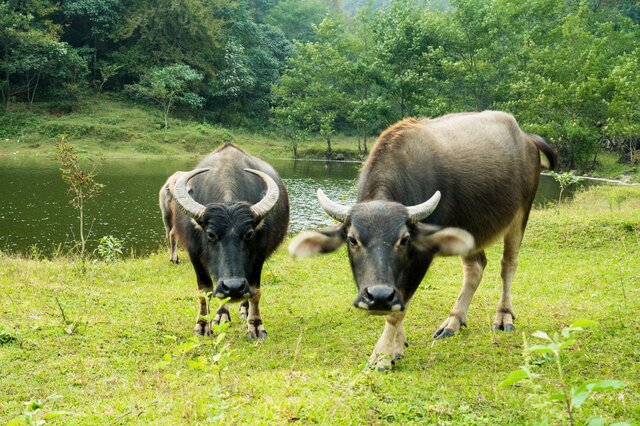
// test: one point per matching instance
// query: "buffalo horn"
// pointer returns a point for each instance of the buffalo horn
(333, 209)
(420, 212)
(262, 207)
(188, 205)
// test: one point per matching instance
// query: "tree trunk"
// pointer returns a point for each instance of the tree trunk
(329, 146)
(364, 132)
(358, 131)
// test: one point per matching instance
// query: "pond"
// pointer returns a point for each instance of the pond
(37, 216)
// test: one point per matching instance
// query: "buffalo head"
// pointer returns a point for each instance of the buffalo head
(229, 234)
(388, 245)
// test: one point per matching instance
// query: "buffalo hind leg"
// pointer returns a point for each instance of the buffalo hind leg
(508, 265)
(255, 328)
(391, 344)
(472, 268)
(222, 315)
(172, 246)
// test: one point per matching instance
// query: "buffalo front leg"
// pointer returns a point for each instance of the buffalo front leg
(391, 344)
(508, 265)
(243, 311)
(472, 268)
(255, 328)
(205, 289)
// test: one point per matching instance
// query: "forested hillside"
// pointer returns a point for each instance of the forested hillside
(566, 69)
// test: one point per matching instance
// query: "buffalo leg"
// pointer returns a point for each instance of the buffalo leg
(255, 328)
(222, 315)
(509, 263)
(244, 310)
(391, 344)
(472, 268)
(205, 288)
(172, 245)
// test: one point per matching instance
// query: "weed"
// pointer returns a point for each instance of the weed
(565, 180)
(109, 248)
(571, 397)
(6, 335)
(34, 413)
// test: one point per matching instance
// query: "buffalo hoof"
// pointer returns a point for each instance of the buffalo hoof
(442, 333)
(256, 330)
(175, 262)
(382, 362)
(202, 329)
(503, 327)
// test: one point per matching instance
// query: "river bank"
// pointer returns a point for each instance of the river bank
(115, 128)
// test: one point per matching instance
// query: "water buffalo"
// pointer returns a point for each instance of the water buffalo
(230, 213)
(478, 172)
(164, 198)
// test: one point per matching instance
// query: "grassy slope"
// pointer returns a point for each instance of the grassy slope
(115, 128)
(579, 261)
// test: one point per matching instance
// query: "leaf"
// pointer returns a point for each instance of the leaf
(556, 397)
(540, 349)
(584, 323)
(606, 385)
(541, 335)
(515, 376)
(579, 397)
(566, 343)
(597, 421)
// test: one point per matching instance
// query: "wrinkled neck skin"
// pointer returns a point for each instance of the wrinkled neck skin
(231, 235)
(383, 253)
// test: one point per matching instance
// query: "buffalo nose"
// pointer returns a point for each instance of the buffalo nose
(234, 288)
(380, 298)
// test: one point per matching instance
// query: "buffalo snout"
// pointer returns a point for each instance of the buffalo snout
(379, 299)
(233, 288)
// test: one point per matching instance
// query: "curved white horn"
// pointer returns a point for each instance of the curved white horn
(264, 206)
(188, 205)
(333, 209)
(420, 212)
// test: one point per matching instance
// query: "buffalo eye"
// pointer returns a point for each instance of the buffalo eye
(352, 241)
(212, 236)
(248, 236)
(404, 241)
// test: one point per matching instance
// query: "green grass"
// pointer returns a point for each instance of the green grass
(118, 128)
(579, 261)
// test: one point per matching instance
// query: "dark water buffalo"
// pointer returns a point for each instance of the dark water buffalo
(478, 172)
(230, 213)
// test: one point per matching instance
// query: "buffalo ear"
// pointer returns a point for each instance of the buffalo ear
(310, 243)
(444, 241)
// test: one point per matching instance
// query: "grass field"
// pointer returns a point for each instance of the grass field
(124, 354)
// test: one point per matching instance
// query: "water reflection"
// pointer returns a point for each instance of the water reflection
(35, 209)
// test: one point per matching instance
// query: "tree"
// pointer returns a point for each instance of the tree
(82, 184)
(623, 109)
(168, 86)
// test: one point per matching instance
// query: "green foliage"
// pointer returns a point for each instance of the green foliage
(571, 397)
(6, 335)
(35, 415)
(168, 86)
(564, 180)
(110, 248)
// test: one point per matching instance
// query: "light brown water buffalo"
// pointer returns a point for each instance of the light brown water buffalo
(478, 173)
